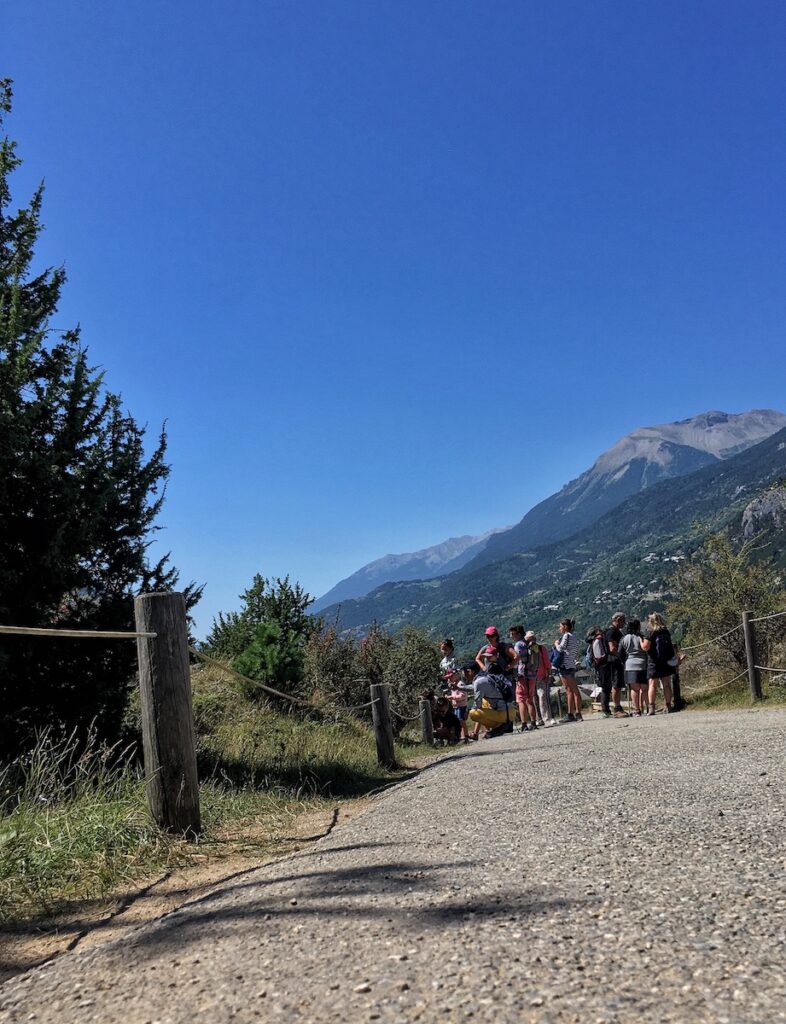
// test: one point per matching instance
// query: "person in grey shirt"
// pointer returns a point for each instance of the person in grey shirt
(634, 659)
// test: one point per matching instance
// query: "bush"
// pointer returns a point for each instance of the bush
(273, 657)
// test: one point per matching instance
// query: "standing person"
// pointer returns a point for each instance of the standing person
(539, 669)
(566, 647)
(525, 684)
(457, 695)
(503, 655)
(634, 659)
(599, 654)
(448, 663)
(661, 660)
(613, 637)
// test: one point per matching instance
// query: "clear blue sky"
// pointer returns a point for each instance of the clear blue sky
(393, 271)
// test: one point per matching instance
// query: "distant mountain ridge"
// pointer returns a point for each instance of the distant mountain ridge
(624, 559)
(438, 560)
(635, 462)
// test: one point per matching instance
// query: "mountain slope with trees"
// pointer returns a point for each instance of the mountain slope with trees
(626, 557)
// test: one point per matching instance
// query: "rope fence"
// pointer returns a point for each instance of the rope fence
(707, 643)
(774, 615)
(99, 634)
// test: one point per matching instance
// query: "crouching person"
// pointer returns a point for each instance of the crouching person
(492, 709)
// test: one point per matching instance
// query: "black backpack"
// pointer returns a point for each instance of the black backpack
(664, 648)
(504, 687)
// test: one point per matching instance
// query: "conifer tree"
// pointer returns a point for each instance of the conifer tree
(78, 500)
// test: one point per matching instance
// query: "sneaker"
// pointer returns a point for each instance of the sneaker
(606, 714)
(522, 728)
(619, 713)
(567, 720)
(578, 718)
(541, 724)
(668, 710)
(549, 723)
(650, 710)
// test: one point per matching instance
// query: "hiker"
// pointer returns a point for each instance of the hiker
(613, 637)
(525, 684)
(539, 667)
(598, 658)
(457, 695)
(504, 657)
(634, 659)
(563, 659)
(469, 673)
(444, 723)
(448, 663)
(661, 661)
(493, 697)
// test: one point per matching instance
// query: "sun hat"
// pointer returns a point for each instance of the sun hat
(530, 634)
(491, 630)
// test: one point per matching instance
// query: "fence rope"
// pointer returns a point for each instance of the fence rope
(270, 689)
(766, 668)
(403, 718)
(101, 634)
(253, 682)
(763, 618)
(701, 692)
(706, 643)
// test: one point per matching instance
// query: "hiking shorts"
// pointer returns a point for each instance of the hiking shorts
(525, 690)
(635, 677)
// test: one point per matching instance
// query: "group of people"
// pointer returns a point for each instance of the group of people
(513, 677)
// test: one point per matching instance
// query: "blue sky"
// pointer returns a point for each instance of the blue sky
(394, 271)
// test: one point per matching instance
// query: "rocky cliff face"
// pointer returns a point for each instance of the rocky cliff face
(767, 512)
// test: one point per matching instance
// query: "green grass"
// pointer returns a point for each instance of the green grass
(75, 824)
(710, 695)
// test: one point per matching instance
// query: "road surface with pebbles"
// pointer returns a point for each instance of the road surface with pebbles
(623, 870)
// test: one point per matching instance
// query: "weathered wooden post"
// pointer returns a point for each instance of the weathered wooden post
(383, 727)
(749, 632)
(167, 717)
(426, 723)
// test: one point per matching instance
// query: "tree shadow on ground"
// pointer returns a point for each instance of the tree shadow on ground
(380, 891)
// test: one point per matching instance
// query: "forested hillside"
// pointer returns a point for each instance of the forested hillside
(625, 558)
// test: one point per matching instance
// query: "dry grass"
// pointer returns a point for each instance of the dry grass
(75, 824)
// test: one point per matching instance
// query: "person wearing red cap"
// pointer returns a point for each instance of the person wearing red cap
(503, 657)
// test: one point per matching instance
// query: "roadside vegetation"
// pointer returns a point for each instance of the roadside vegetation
(75, 824)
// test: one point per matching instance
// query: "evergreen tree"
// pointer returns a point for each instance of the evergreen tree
(78, 500)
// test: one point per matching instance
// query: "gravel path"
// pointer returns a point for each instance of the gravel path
(615, 871)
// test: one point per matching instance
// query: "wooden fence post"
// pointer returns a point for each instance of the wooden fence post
(383, 727)
(167, 717)
(749, 632)
(426, 723)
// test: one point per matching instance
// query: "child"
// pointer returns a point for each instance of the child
(457, 696)
(448, 663)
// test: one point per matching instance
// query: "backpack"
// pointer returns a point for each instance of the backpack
(600, 650)
(664, 649)
(504, 687)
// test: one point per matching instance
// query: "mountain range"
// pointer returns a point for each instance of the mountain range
(438, 560)
(523, 571)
